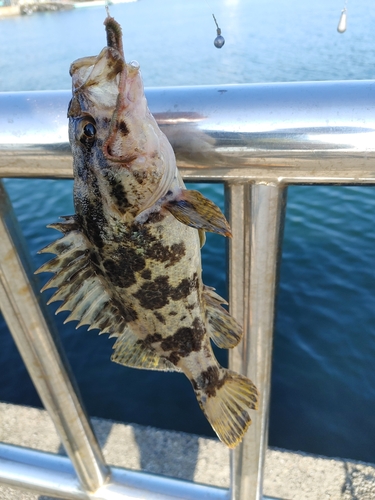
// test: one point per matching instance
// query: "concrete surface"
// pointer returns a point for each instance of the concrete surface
(289, 476)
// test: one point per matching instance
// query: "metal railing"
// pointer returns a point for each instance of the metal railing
(257, 139)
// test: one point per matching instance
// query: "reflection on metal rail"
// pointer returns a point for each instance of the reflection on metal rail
(257, 139)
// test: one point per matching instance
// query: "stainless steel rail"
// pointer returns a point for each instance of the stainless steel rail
(257, 139)
(55, 476)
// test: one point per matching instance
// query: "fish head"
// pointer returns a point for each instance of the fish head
(114, 137)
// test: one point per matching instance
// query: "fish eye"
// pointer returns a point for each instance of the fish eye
(86, 130)
(89, 130)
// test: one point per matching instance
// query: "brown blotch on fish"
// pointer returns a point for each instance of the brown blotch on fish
(164, 253)
(118, 192)
(186, 339)
(93, 225)
(209, 381)
(146, 274)
(174, 358)
(156, 294)
(94, 220)
(182, 343)
(139, 234)
(185, 288)
(154, 217)
(160, 317)
(116, 262)
(123, 128)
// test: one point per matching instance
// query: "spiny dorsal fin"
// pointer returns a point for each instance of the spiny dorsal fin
(195, 210)
(222, 328)
(78, 285)
(69, 223)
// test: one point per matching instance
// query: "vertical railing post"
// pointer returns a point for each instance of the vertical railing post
(32, 335)
(256, 214)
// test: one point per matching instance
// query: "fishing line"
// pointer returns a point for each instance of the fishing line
(107, 8)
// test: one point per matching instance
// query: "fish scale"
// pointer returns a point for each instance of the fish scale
(129, 261)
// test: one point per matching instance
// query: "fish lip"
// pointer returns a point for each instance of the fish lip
(118, 159)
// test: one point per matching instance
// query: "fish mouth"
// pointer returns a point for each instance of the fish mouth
(124, 160)
(91, 74)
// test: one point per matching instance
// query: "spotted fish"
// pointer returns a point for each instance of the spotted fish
(129, 260)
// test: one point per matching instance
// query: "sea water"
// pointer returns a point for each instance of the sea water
(323, 386)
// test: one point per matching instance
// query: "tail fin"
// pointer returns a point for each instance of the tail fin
(226, 406)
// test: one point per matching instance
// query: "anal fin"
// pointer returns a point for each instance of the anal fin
(222, 328)
(129, 350)
(195, 210)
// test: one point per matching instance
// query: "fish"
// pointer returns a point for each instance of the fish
(129, 259)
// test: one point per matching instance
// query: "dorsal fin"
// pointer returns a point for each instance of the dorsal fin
(78, 285)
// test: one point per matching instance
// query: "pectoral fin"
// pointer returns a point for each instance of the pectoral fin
(195, 210)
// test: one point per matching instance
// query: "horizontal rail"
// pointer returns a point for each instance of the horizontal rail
(320, 132)
(54, 475)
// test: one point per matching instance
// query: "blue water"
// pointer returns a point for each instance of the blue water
(323, 388)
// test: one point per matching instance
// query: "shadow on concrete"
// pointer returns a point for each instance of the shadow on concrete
(168, 453)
